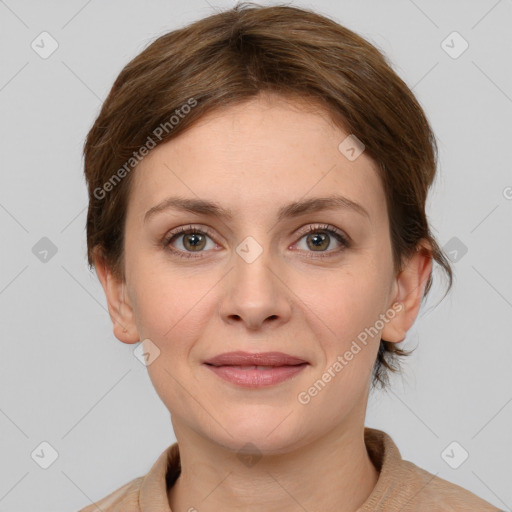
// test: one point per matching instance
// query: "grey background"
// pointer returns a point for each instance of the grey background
(66, 380)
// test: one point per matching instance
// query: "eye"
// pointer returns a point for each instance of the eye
(195, 240)
(318, 240)
(192, 240)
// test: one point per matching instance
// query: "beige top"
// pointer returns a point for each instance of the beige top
(402, 486)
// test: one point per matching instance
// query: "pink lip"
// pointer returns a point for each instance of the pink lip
(254, 359)
(240, 368)
(254, 378)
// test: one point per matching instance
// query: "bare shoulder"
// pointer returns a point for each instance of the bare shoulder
(124, 499)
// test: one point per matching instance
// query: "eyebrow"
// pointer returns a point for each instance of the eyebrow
(200, 206)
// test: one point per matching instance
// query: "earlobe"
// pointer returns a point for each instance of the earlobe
(120, 310)
(410, 285)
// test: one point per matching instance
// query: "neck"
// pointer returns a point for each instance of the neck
(333, 474)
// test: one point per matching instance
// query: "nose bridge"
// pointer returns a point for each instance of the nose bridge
(255, 292)
(252, 273)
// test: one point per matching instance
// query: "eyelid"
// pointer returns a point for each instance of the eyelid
(323, 227)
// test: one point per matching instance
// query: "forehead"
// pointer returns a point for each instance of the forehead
(263, 152)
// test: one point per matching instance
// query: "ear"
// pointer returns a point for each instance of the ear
(119, 307)
(408, 287)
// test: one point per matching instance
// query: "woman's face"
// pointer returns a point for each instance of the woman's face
(257, 281)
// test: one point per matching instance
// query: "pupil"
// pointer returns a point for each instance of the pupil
(196, 240)
(318, 239)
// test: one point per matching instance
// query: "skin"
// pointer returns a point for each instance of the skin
(253, 159)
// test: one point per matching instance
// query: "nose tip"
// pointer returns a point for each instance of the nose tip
(254, 294)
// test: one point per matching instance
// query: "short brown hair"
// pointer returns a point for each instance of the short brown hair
(230, 57)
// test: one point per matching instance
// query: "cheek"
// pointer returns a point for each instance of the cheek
(343, 313)
(172, 313)
(346, 301)
(170, 307)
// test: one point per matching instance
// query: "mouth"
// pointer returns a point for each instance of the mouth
(256, 370)
(258, 359)
(253, 367)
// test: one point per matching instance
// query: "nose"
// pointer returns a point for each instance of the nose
(254, 294)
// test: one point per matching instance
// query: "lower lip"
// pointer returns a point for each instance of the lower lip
(255, 378)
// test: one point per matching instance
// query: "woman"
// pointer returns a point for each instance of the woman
(257, 185)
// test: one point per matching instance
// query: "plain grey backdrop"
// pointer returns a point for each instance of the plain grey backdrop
(68, 383)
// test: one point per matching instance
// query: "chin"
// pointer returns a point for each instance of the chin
(267, 434)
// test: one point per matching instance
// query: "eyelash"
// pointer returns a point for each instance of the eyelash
(186, 230)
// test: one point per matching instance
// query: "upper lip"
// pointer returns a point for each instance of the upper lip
(254, 359)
